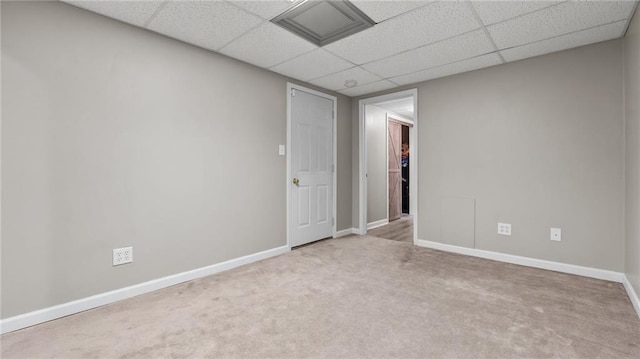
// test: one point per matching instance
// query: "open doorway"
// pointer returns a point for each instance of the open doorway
(388, 132)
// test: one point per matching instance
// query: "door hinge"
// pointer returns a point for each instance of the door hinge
(293, 92)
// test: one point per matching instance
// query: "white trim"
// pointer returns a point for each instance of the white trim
(335, 165)
(386, 164)
(413, 158)
(292, 86)
(345, 232)
(526, 261)
(362, 169)
(359, 231)
(413, 167)
(633, 296)
(58, 311)
(288, 160)
(377, 224)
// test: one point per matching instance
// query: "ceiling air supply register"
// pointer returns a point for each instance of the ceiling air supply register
(323, 22)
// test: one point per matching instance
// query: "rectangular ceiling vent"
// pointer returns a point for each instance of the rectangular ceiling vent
(323, 22)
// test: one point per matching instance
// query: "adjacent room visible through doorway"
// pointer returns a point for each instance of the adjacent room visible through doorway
(388, 129)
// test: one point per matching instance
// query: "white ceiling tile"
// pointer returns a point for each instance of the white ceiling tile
(312, 65)
(575, 39)
(383, 10)
(416, 28)
(336, 81)
(209, 24)
(368, 88)
(267, 45)
(132, 12)
(450, 69)
(266, 9)
(558, 20)
(452, 50)
(495, 11)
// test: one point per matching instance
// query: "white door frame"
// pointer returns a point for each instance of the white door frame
(413, 158)
(290, 87)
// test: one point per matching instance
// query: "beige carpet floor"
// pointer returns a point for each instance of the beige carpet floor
(354, 297)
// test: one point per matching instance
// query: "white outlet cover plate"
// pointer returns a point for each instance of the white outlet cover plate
(555, 234)
(281, 150)
(504, 229)
(122, 255)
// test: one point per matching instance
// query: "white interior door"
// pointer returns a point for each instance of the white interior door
(311, 182)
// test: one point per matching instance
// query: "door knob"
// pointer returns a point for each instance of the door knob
(296, 181)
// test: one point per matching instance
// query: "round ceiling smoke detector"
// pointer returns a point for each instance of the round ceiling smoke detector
(350, 83)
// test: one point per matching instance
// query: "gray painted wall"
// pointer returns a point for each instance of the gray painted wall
(632, 155)
(115, 136)
(536, 143)
(344, 165)
(377, 196)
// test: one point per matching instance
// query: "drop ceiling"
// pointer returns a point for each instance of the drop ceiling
(413, 41)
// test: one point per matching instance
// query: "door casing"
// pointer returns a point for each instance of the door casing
(290, 87)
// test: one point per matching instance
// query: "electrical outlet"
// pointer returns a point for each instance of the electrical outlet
(555, 234)
(122, 256)
(504, 229)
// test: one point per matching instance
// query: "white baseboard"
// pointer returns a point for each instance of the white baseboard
(377, 224)
(345, 232)
(43, 315)
(526, 261)
(631, 292)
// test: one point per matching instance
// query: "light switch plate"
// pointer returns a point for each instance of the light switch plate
(281, 150)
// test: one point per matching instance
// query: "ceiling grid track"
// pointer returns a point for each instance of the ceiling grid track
(626, 26)
(244, 33)
(241, 35)
(558, 36)
(486, 32)
(420, 47)
(408, 11)
(295, 57)
(155, 13)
